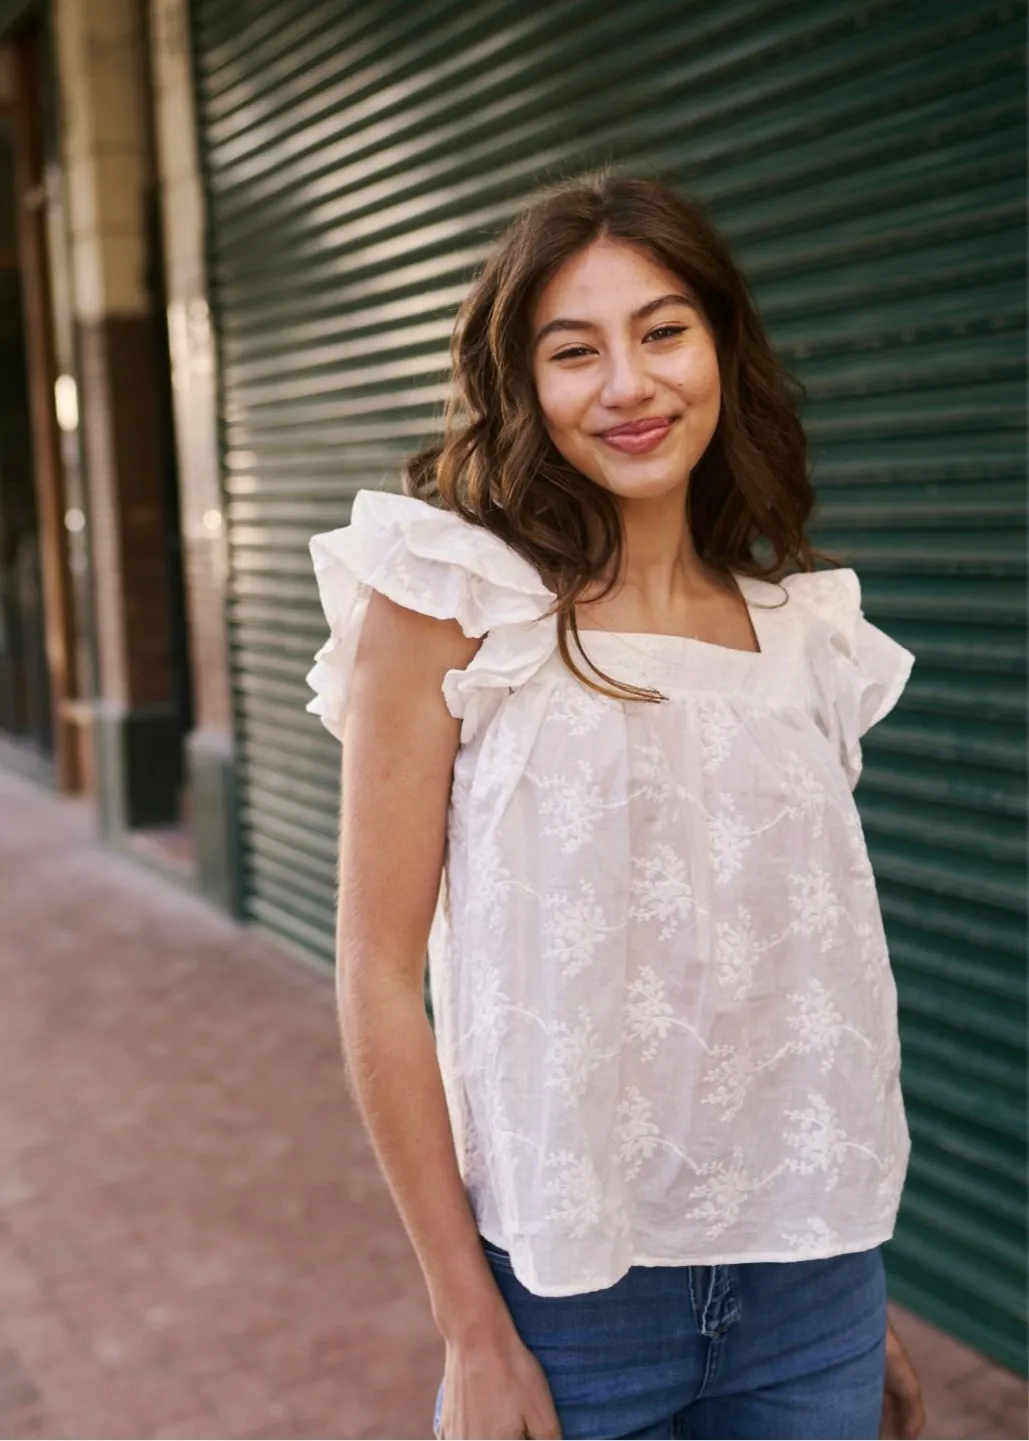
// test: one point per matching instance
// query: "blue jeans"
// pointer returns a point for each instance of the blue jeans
(783, 1350)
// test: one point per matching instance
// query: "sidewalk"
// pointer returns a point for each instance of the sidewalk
(194, 1239)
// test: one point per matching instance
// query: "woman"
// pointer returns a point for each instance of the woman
(601, 726)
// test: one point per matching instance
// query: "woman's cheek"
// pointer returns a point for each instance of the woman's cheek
(696, 374)
(564, 410)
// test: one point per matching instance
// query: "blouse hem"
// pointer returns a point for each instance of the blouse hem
(806, 1253)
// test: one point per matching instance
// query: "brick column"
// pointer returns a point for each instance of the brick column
(101, 63)
(210, 745)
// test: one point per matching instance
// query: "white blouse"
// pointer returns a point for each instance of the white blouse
(664, 1009)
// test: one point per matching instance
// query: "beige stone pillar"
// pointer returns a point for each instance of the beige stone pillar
(193, 359)
(210, 747)
(106, 146)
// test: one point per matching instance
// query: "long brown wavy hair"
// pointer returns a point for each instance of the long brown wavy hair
(497, 467)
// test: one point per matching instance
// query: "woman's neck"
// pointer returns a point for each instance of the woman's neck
(659, 562)
(664, 587)
(660, 571)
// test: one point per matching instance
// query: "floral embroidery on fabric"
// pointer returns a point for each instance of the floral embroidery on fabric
(648, 1015)
(818, 1025)
(723, 1194)
(815, 1235)
(570, 807)
(575, 928)
(661, 890)
(728, 1081)
(577, 710)
(492, 883)
(737, 952)
(730, 837)
(636, 1134)
(719, 725)
(819, 1139)
(651, 772)
(575, 1053)
(815, 904)
(809, 798)
(576, 1186)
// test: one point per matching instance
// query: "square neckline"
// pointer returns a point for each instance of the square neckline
(661, 635)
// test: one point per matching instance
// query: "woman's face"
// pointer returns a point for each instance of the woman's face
(625, 369)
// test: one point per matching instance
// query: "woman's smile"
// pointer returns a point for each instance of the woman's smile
(639, 437)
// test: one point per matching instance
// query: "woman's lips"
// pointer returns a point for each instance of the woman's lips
(639, 437)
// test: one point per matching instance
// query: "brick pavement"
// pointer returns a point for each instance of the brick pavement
(194, 1240)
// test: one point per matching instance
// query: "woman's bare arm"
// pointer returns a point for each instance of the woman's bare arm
(398, 756)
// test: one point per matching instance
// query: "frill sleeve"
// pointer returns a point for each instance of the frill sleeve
(861, 670)
(432, 561)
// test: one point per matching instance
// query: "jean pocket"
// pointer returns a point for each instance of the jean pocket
(498, 1259)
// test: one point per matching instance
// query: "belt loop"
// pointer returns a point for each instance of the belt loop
(721, 1307)
(701, 1280)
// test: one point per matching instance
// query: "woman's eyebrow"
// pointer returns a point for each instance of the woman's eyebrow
(565, 323)
(673, 298)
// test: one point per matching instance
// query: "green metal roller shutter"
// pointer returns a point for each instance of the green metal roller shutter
(867, 161)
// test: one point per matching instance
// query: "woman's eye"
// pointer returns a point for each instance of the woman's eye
(666, 332)
(574, 352)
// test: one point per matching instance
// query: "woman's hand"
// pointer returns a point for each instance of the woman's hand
(493, 1386)
(903, 1409)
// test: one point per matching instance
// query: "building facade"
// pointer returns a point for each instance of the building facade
(309, 187)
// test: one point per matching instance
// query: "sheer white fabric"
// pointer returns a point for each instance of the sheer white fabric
(665, 1014)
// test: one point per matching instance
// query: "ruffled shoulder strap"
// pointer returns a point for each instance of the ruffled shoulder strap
(862, 671)
(432, 561)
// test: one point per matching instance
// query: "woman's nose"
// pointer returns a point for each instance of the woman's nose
(626, 382)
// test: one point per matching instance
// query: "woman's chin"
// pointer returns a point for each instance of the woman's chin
(640, 481)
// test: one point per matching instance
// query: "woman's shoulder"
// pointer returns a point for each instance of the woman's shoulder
(834, 594)
(828, 592)
(428, 559)
(434, 562)
(820, 601)
(862, 668)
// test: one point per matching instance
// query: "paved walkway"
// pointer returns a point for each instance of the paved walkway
(194, 1240)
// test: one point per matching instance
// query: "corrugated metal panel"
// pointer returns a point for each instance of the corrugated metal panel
(867, 162)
